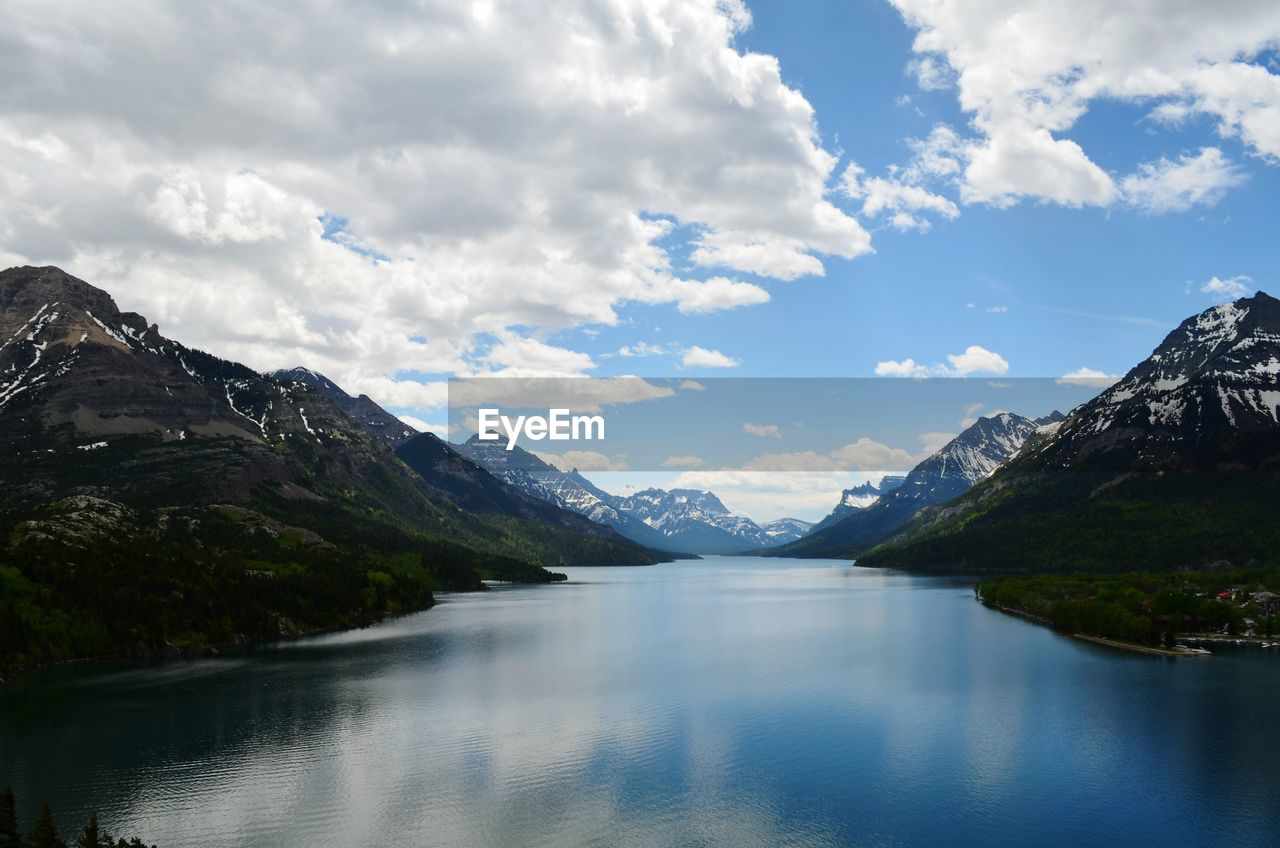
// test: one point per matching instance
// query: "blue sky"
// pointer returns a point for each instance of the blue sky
(1096, 288)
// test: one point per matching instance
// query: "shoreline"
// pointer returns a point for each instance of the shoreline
(1150, 650)
(1133, 647)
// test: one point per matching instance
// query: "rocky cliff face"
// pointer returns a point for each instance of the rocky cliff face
(98, 402)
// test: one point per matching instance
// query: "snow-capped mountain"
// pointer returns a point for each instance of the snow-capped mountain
(1213, 379)
(949, 472)
(1174, 466)
(684, 520)
(859, 498)
(785, 530)
(694, 521)
(570, 490)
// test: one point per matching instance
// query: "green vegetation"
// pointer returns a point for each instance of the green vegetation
(45, 835)
(92, 578)
(1095, 521)
(1145, 608)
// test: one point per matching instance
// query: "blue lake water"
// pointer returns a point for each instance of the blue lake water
(728, 702)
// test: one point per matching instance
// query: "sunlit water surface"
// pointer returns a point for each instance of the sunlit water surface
(732, 701)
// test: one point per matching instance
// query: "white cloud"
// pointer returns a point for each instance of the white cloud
(451, 178)
(906, 196)
(863, 455)
(1087, 377)
(1027, 70)
(683, 462)
(642, 349)
(1232, 288)
(1176, 185)
(421, 426)
(580, 394)
(583, 461)
(692, 386)
(903, 368)
(996, 310)
(767, 255)
(763, 430)
(717, 293)
(700, 357)
(975, 360)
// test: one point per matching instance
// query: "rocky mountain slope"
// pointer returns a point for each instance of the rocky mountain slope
(1175, 465)
(367, 415)
(949, 472)
(163, 465)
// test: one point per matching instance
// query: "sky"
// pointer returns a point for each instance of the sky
(398, 193)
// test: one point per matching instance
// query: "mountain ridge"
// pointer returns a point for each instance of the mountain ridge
(1173, 466)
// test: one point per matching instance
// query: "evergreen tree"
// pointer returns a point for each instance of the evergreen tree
(45, 835)
(9, 836)
(91, 838)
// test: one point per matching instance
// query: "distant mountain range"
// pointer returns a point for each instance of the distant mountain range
(949, 472)
(684, 520)
(1176, 465)
(180, 474)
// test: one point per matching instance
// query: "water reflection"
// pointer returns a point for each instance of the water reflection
(725, 702)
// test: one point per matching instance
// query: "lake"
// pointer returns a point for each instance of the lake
(726, 702)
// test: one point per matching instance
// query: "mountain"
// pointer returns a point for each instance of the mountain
(568, 490)
(1176, 465)
(785, 530)
(949, 472)
(678, 520)
(157, 494)
(693, 520)
(474, 489)
(367, 415)
(859, 498)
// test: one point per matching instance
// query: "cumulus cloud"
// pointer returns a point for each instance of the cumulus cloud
(380, 191)
(1169, 185)
(763, 430)
(1087, 377)
(421, 426)
(974, 360)
(700, 357)
(683, 462)
(692, 386)
(863, 455)
(908, 194)
(1232, 288)
(901, 368)
(583, 461)
(977, 360)
(1027, 70)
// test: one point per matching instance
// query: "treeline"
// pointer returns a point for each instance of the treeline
(44, 835)
(180, 582)
(1143, 607)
